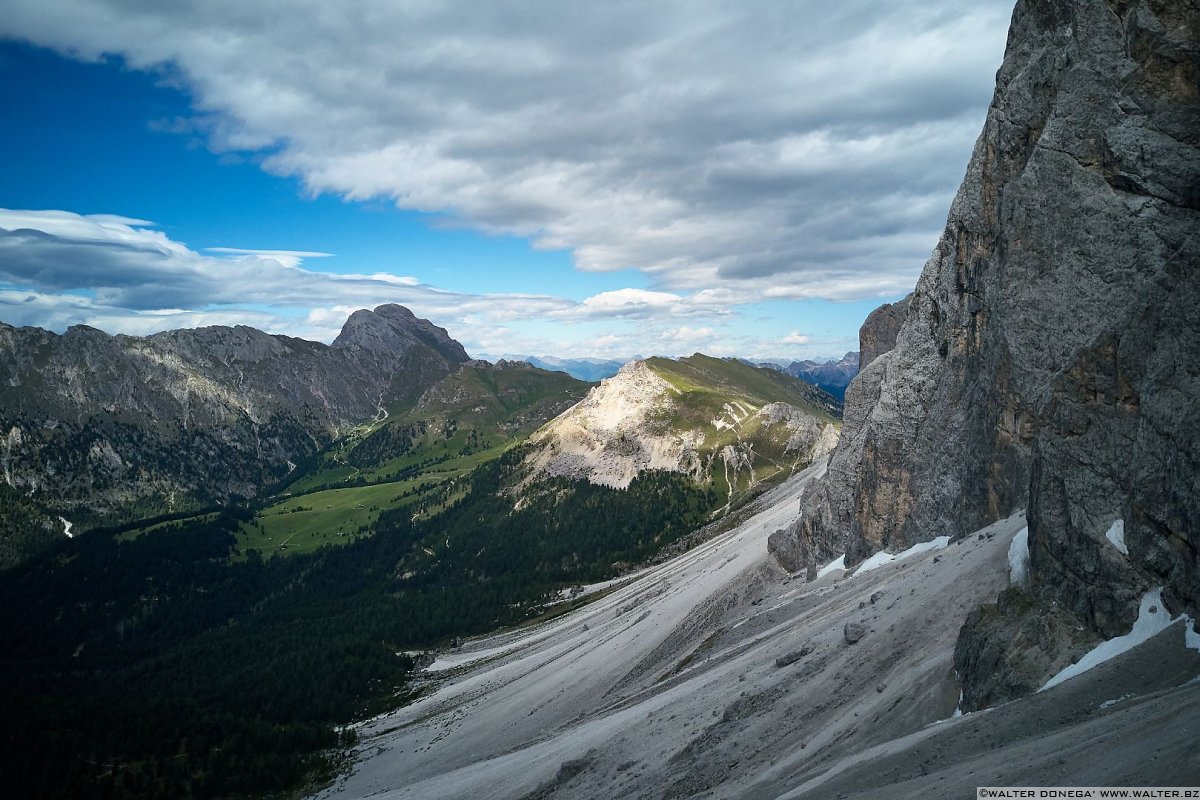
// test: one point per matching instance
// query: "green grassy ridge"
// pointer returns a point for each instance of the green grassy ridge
(704, 386)
(483, 405)
(706, 383)
(504, 390)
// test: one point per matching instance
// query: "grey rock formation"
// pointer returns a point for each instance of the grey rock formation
(96, 425)
(878, 333)
(853, 632)
(1050, 354)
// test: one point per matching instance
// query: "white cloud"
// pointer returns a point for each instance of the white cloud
(289, 258)
(796, 337)
(805, 149)
(103, 270)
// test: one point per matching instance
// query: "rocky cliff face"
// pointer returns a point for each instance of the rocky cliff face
(879, 331)
(92, 423)
(1050, 354)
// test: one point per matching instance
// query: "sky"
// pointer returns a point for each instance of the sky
(570, 179)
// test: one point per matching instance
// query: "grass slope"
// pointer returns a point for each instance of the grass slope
(729, 391)
(707, 383)
(413, 459)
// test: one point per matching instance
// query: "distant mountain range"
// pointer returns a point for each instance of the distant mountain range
(584, 369)
(100, 430)
(832, 375)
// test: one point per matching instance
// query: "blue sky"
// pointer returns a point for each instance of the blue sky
(568, 184)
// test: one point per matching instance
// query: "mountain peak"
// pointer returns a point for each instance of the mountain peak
(393, 329)
(723, 423)
(394, 311)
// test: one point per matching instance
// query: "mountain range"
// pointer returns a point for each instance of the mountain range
(993, 582)
(585, 369)
(833, 375)
(101, 429)
(698, 578)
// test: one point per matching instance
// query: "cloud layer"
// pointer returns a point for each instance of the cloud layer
(730, 151)
(117, 267)
(58, 268)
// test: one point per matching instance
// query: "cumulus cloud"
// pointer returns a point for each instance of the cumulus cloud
(804, 149)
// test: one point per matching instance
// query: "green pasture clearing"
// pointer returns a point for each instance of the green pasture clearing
(303, 523)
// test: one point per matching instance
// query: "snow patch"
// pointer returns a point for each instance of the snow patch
(67, 527)
(837, 565)
(1116, 535)
(1152, 619)
(1114, 701)
(881, 558)
(1018, 557)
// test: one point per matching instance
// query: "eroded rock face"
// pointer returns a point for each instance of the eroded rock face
(878, 333)
(1050, 355)
(186, 417)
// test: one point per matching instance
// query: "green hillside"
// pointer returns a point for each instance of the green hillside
(708, 383)
(730, 426)
(413, 458)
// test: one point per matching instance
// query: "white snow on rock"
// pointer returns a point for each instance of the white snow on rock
(1191, 637)
(67, 527)
(881, 558)
(1152, 619)
(1114, 701)
(1018, 557)
(1116, 535)
(837, 565)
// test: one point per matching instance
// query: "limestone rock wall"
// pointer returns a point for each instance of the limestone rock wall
(1050, 354)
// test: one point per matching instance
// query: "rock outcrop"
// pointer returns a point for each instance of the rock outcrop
(95, 423)
(717, 421)
(1050, 354)
(878, 333)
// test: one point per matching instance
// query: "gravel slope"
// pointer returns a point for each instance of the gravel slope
(671, 686)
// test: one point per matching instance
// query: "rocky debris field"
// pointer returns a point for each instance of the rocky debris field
(717, 674)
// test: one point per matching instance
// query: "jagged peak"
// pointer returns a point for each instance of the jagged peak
(393, 329)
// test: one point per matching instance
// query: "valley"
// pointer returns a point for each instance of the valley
(245, 565)
(430, 519)
(718, 674)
